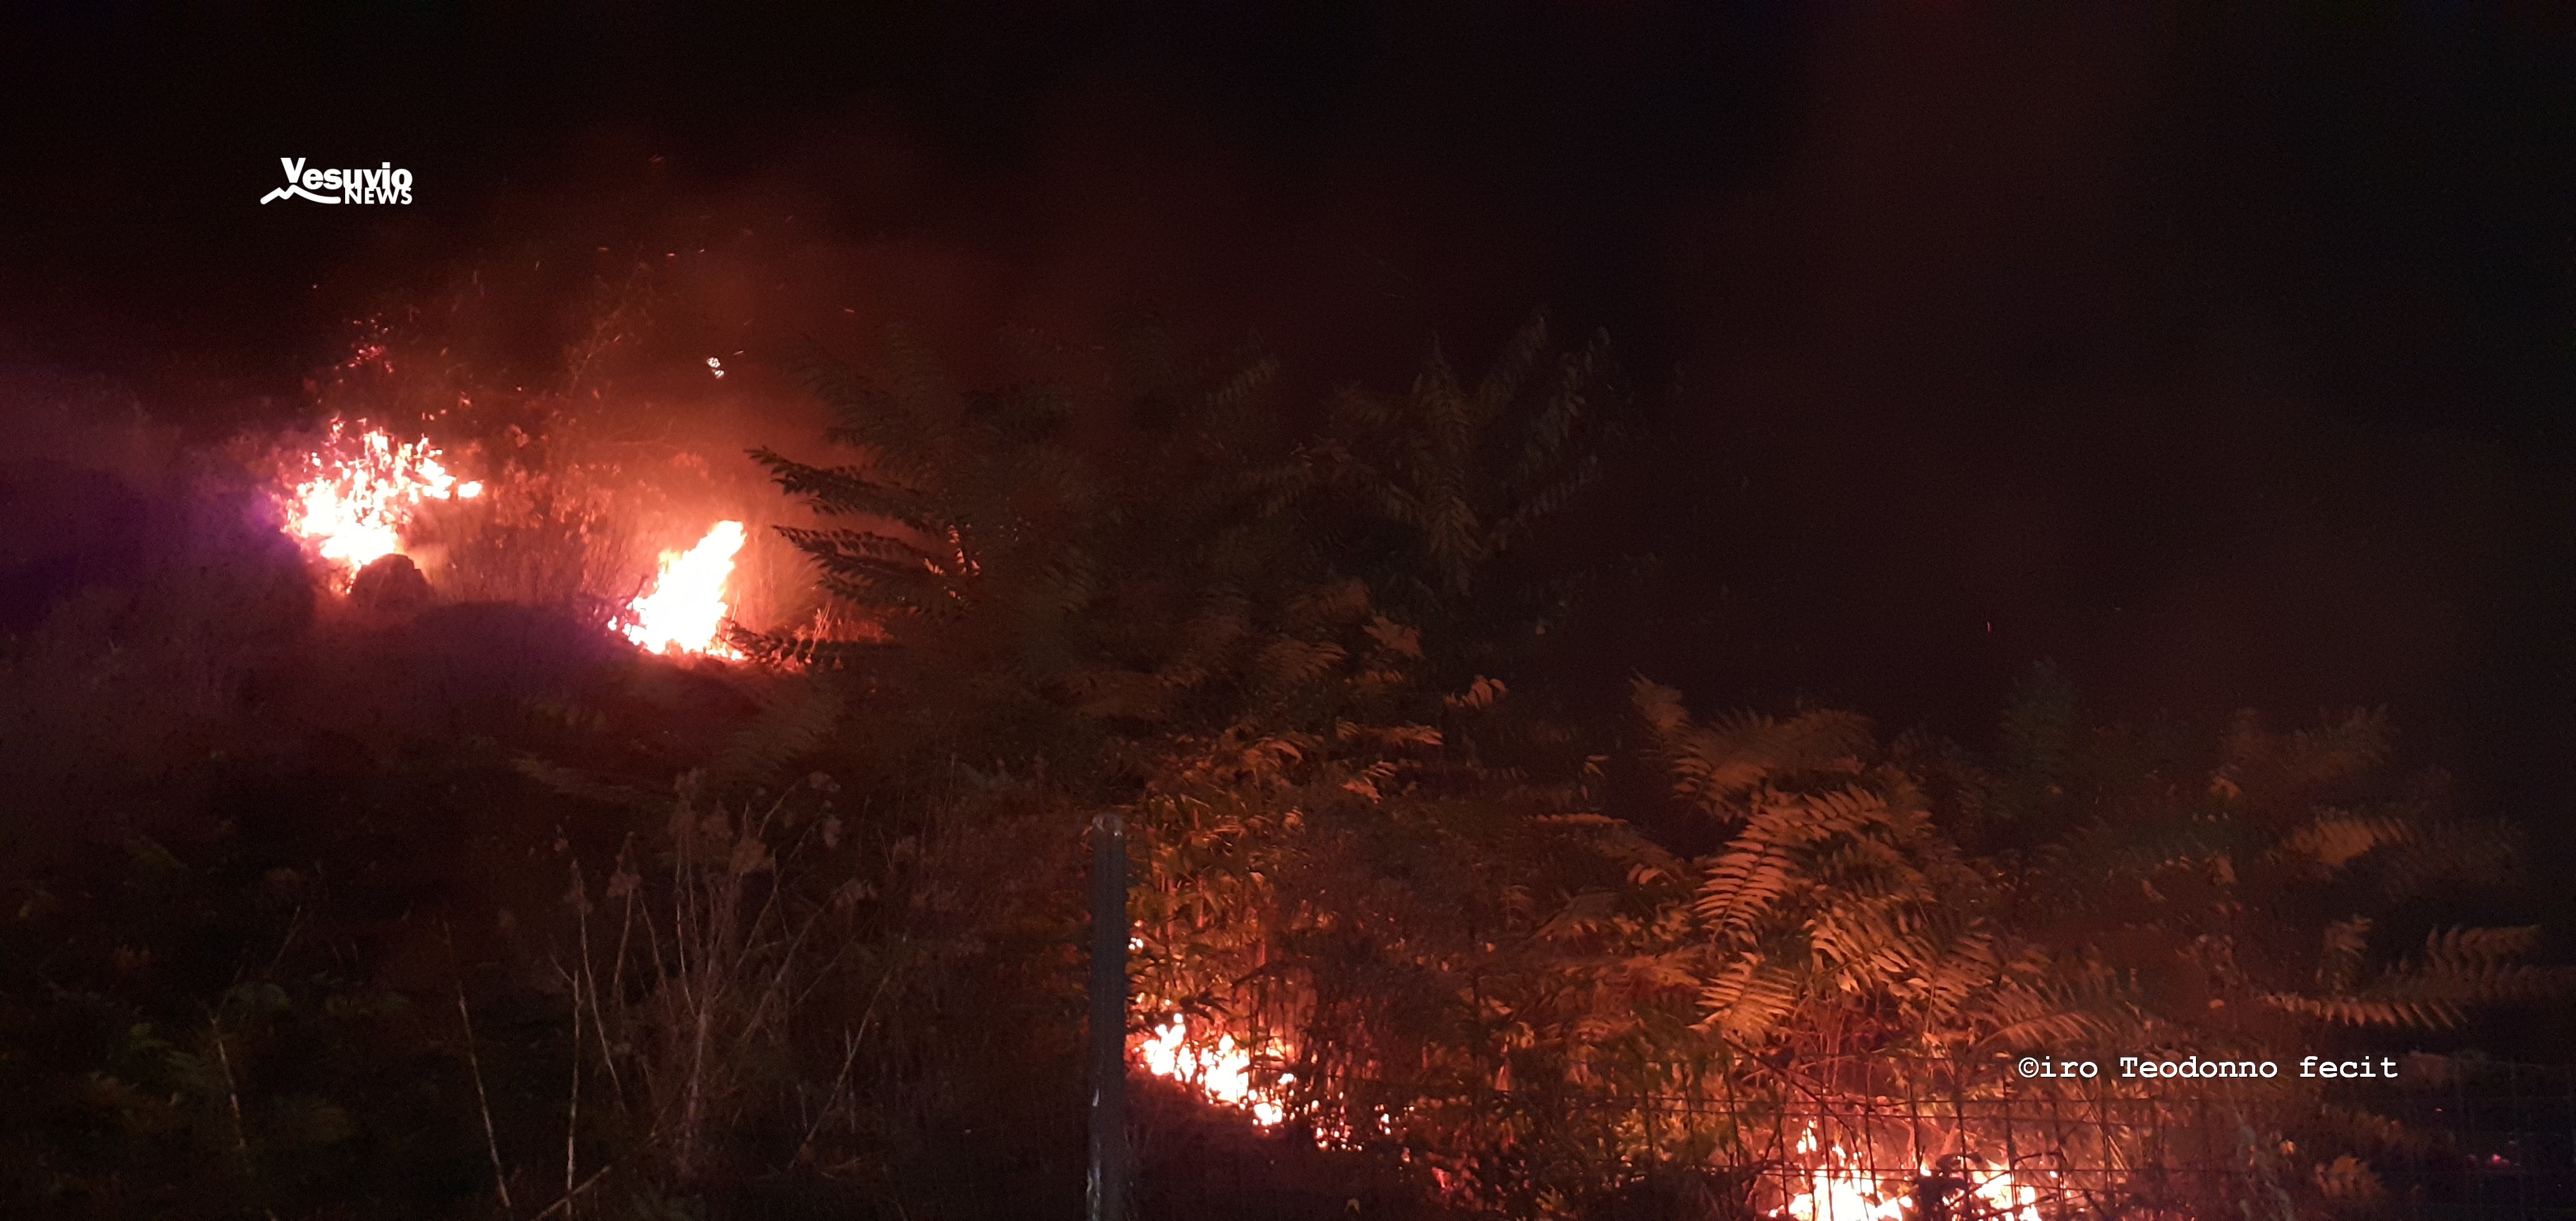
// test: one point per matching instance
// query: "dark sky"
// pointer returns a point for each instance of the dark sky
(2226, 361)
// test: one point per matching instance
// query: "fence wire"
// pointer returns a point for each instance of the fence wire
(2444, 1139)
(2467, 1141)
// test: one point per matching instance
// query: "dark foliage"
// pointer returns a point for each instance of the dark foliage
(397, 905)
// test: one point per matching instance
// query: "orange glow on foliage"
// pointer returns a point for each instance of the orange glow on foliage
(685, 610)
(352, 498)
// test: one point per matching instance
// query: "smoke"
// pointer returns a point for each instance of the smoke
(2033, 348)
(2201, 360)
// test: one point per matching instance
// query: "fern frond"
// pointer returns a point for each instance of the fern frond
(845, 490)
(2337, 751)
(1587, 912)
(2445, 855)
(2063, 1007)
(2460, 968)
(2040, 727)
(1125, 694)
(582, 786)
(1714, 763)
(1748, 881)
(2346, 942)
(2336, 839)
(794, 721)
(1291, 663)
(2473, 946)
(2369, 1011)
(1502, 383)
(1746, 1001)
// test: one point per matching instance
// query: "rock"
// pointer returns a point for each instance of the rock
(392, 584)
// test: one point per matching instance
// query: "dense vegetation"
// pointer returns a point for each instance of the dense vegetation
(322, 910)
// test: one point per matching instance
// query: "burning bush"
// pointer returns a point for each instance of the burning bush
(353, 494)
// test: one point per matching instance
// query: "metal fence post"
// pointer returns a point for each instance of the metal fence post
(1110, 1174)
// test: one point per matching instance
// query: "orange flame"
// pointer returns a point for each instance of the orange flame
(684, 611)
(1838, 1191)
(1222, 1071)
(358, 492)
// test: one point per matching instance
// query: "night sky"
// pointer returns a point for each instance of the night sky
(2223, 361)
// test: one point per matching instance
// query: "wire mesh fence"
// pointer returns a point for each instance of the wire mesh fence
(2420, 1138)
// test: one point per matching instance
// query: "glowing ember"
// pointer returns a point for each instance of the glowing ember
(1222, 1072)
(685, 610)
(354, 496)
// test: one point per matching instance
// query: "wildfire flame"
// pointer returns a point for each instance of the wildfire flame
(1222, 1071)
(358, 491)
(685, 609)
(1837, 1191)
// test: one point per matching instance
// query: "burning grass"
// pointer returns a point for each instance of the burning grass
(1215, 1066)
(352, 496)
(685, 610)
(564, 537)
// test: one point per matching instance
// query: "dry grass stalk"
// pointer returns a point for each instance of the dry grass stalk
(482, 1098)
(232, 1092)
(722, 966)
